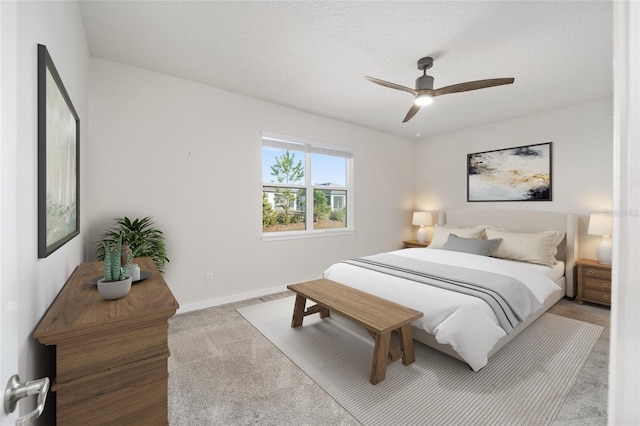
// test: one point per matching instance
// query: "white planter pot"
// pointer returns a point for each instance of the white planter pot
(115, 289)
(133, 270)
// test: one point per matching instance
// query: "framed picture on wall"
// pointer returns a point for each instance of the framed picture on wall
(522, 173)
(58, 160)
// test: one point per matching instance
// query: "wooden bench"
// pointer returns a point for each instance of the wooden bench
(378, 316)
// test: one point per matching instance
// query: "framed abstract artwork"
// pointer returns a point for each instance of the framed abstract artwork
(58, 160)
(522, 173)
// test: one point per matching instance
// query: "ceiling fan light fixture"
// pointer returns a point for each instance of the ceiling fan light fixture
(423, 99)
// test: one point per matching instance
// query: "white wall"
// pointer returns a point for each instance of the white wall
(190, 156)
(582, 163)
(58, 26)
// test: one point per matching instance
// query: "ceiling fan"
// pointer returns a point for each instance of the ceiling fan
(424, 91)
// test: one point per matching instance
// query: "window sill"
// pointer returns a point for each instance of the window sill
(297, 235)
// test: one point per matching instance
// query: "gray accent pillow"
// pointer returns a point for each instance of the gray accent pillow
(471, 245)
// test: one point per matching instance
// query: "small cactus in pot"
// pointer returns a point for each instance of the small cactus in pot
(115, 283)
(116, 261)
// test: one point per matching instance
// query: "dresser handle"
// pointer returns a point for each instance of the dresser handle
(605, 296)
(589, 272)
(605, 285)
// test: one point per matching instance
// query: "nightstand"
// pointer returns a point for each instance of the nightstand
(415, 244)
(594, 282)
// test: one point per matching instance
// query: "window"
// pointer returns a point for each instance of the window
(306, 187)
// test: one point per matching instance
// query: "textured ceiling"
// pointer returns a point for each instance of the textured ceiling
(313, 55)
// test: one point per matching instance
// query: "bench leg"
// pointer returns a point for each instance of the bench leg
(380, 358)
(298, 311)
(324, 313)
(406, 345)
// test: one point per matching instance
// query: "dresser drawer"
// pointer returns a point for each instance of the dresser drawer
(99, 352)
(596, 273)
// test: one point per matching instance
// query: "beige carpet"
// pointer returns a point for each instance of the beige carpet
(525, 383)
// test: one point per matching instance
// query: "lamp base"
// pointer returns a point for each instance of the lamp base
(422, 234)
(604, 251)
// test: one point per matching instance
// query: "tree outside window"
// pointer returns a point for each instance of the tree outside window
(286, 170)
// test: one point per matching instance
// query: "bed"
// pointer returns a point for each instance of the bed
(462, 325)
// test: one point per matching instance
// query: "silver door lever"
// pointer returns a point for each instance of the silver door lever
(15, 391)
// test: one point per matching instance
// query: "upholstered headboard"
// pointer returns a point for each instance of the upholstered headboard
(526, 221)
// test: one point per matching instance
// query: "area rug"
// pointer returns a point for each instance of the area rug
(524, 384)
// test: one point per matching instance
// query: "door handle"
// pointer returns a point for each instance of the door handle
(15, 391)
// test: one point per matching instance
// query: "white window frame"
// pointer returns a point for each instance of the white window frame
(309, 147)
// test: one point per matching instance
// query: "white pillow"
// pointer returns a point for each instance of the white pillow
(532, 247)
(442, 233)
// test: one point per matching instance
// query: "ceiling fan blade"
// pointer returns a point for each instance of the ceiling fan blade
(392, 85)
(472, 85)
(412, 111)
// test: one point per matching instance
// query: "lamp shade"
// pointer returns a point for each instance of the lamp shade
(422, 218)
(600, 224)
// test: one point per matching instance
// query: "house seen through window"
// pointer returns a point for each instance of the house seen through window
(306, 187)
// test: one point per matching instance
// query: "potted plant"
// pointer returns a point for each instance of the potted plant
(140, 235)
(115, 283)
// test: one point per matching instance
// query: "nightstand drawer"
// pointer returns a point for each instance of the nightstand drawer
(597, 284)
(596, 273)
(597, 296)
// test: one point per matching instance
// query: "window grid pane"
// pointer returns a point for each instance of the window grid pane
(329, 208)
(283, 209)
(328, 170)
(283, 166)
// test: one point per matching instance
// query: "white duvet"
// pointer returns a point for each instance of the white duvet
(466, 323)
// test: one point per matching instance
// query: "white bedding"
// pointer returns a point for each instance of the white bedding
(464, 322)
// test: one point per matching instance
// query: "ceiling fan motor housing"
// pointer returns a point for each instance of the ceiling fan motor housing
(424, 82)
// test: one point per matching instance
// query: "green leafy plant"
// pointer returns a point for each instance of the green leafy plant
(116, 261)
(140, 235)
(268, 215)
(339, 215)
(321, 209)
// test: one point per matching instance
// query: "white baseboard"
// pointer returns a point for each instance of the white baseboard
(229, 299)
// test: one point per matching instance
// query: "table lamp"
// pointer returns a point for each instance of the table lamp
(602, 224)
(423, 219)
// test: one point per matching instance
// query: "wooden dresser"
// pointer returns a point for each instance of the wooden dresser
(594, 282)
(111, 356)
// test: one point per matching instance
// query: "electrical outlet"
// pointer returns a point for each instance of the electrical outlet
(209, 277)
